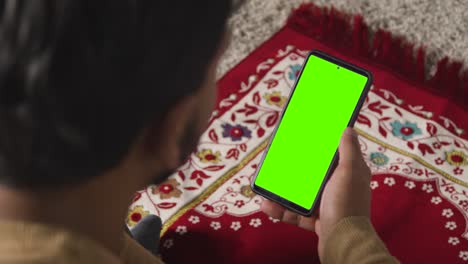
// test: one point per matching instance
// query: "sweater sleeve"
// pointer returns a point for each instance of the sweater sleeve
(354, 240)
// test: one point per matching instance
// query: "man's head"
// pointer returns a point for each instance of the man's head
(89, 85)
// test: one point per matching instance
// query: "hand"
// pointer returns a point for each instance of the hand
(347, 193)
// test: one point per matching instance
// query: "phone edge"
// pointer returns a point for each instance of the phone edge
(335, 159)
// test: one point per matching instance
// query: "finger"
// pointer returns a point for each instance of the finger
(290, 218)
(277, 211)
(349, 149)
(317, 227)
(308, 223)
(272, 209)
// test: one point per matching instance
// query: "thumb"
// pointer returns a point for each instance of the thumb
(349, 149)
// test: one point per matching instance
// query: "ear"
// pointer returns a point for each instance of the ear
(162, 137)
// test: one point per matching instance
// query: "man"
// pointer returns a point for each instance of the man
(99, 98)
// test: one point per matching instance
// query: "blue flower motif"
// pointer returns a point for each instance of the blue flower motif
(235, 132)
(294, 72)
(406, 131)
(378, 158)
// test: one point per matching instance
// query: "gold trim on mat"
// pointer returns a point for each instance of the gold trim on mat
(213, 187)
(413, 156)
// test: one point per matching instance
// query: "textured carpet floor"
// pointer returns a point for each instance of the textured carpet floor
(440, 25)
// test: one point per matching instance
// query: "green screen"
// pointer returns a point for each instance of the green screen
(309, 133)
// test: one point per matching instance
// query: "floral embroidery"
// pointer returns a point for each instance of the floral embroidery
(379, 158)
(236, 225)
(167, 189)
(427, 187)
(451, 225)
(256, 222)
(215, 225)
(374, 184)
(464, 204)
(447, 213)
(456, 158)
(168, 243)
(453, 240)
(389, 181)
(275, 98)
(406, 131)
(436, 145)
(439, 161)
(194, 219)
(247, 191)
(436, 200)
(295, 71)
(236, 133)
(207, 156)
(458, 171)
(463, 255)
(135, 215)
(450, 189)
(418, 172)
(181, 230)
(410, 185)
(273, 219)
(239, 203)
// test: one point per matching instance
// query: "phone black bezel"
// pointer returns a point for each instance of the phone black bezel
(282, 201)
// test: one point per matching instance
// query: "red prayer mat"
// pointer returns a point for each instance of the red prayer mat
(413, 133)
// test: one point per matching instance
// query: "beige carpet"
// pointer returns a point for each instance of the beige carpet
(440, 25)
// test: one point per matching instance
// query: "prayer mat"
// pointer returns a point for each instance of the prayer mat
(413, 134)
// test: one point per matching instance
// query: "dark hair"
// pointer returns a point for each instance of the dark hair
(81, 79)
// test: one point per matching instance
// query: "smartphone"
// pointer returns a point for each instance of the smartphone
(303, 150)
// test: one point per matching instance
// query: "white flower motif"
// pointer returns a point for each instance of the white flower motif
(427, 187)
(215, 225)
(235, 225)
(451, 225)
(374, 184)
(274, 220)
(256, 222)
(389, 181)
(447, 213)
(453, 240)
(436, 200)
(463, 255)
(194, 219)
(168, 243)
(181, 230)
(410, 184)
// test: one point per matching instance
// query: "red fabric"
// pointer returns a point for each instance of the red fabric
(413, 136)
